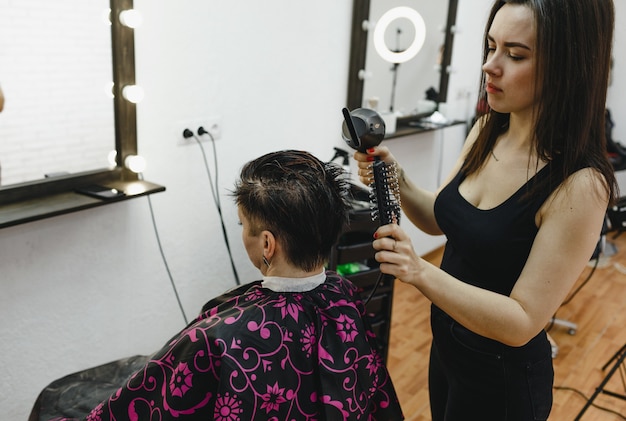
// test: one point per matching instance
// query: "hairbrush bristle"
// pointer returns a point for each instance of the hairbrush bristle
(385, 194)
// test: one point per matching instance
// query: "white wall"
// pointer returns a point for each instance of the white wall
(616, 100)
(89, 287)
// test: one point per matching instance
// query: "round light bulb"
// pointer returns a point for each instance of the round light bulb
(131, 18)
(133, 93)
(135, 163)
(364, 74)
(112, 158)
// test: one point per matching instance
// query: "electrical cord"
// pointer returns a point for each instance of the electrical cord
(215, 193)
(602, 408)
(373, 291)
(214, 186)
(167, 268)
(187, 134)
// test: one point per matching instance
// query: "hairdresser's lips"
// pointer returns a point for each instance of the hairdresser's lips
(492, 89)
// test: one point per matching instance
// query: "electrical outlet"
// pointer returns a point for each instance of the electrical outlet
(213, 125)
(179, 129)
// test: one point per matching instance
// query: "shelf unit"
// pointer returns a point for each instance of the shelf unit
(355, 246)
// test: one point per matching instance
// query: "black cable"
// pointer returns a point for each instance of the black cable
(214, 186)
(602, 408)
(167, 268)
(216, 196)
(378, 281)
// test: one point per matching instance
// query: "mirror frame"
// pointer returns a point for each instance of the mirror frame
(358, 52)
(17, 201)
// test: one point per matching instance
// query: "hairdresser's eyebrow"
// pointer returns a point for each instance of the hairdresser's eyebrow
(510, 44)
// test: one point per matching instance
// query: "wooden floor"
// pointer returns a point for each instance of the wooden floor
(599, 310)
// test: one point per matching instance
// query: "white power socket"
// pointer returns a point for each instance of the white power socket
(212, 125)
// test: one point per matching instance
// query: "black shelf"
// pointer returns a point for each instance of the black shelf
(55, 197)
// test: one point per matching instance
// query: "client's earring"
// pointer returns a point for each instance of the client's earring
(267, 263)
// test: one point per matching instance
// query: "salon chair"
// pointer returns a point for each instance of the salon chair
(75, 395)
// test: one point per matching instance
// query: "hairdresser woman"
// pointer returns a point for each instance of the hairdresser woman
(522, 210)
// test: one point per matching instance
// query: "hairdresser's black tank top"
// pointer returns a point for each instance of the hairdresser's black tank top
(488, 248)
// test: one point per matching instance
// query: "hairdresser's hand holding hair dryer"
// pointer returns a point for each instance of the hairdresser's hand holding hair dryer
(522, 210)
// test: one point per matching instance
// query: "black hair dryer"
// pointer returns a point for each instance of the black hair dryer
(362, 128)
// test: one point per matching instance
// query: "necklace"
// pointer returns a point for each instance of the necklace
(494, 156)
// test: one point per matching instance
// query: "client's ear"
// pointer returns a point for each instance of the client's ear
(269, 244)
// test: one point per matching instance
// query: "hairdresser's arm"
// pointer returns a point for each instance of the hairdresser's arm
(569, 224)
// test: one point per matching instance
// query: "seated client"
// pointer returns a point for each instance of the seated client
(293, 346)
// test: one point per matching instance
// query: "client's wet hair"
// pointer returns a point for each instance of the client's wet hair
(298, 198)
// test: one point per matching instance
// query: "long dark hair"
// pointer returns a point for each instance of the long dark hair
(574, 50)
(299, 199)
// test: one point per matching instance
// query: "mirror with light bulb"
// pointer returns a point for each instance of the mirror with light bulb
(399, 61)
(69, 118)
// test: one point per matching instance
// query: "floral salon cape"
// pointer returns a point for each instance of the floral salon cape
(255, 354)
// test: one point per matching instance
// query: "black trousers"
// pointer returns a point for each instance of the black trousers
(475, 378)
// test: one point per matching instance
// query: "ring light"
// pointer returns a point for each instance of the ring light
(381, 26)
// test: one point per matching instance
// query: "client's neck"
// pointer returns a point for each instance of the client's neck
(289, 271)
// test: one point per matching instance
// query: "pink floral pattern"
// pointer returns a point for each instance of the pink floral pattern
(258, 354)
(346, 327)
(273, 398)
(227, 408)
(180, 382)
